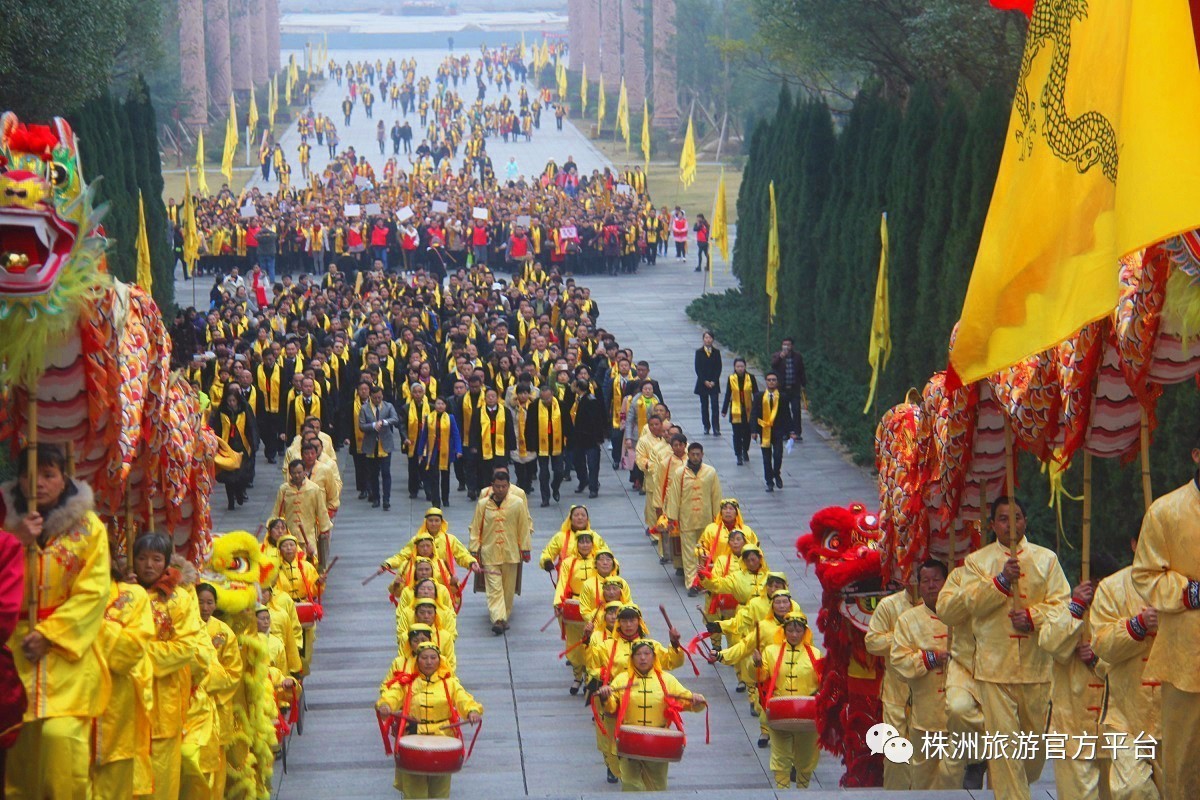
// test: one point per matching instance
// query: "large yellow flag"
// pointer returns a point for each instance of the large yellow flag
(191, 235)
(561, 69)
(583, 92)
(879, 349)
(272, 103)
(201, 179)
(719, 233)
(600, 108)
(144, 278)
(772, 254)
(687, 160)
(1102, 159)
(287, 88)
(623, 114)
(252, 119)
(646, 132)
(231, 141)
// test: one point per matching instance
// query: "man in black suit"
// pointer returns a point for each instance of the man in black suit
(789, 366)
(589, 429)
(772, 426)
(708, 384)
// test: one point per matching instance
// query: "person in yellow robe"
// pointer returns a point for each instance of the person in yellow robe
(666, 538)
(122, 740)
(742, 582)
(920, 655)
(302, 503)
(717, 556)
(578, 519)
(964, 709)
(406, 604)
(894, 692)
(178, 632)
(1013, 674)
(299, 580)
(789, 668)
(501, 540)
(223, 675)
(448, 554)
(433, 699)
(602, 586)
(693, 501)
(1124, 629)
(660, 698)
(285, 626)
(59, 660)
(576, 571)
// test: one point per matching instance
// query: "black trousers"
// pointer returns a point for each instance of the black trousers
(470, 467)
(587, 466)
(772, 457)
(525, 474)
(269, 426)
(437, 486)
(741, 439)
(380, 471)
(416, 476)
(486, 467)
(617, 438)
(793, 398)
(710, 411)
(550, 475)
(361, 470)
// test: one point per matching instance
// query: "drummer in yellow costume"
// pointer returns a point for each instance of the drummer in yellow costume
(749, 586)
(122, 739)
(403, 587)
(789, 668)
(501, 538)
(406, 605)
(693, 500)
(714, 541)
(448, 549)
(433, 699)
(598, 634)
(722, 606)
(285, 625)
(177, 637)
(920, 656)
(578, 568)
(224, 676)
(894, 693)
(1124, 629)
(299, 580)
(59, 661)
(646, 696)
(578, 519)
(405, 662)
(604, 586)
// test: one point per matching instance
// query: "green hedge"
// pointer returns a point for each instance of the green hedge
(931, 165)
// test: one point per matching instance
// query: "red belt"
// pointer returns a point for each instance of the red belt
(42, 613)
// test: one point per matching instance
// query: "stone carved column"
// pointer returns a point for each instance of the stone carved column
(217, 60)
(272, 36)
(258, 41)
(239, 46)
(193, 80)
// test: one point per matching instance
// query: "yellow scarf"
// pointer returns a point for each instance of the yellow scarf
(439, 424)
(333, 369)
(766, 420)
(358, 432)
(240, 424)
(300, 414)
(739, 398)
(644, 408)
(522, 415)
(269, 388)
(469, 406)
(415, 418)
(493, 433)
(550, 432)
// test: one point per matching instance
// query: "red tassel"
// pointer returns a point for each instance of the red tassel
(1024, 6)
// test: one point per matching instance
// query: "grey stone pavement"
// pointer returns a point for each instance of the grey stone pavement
(537, 740)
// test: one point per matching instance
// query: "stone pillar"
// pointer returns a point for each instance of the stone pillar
(664, 97)
(609, 31)
(589, 16)
(634, 24)
(272, 36)
(193, 81)
(258, 41)
(239, 47)
(575, 34)
(216, 45)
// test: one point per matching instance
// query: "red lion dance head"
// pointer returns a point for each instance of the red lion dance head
(844, 546)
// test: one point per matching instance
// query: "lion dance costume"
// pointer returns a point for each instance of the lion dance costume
(843, 545)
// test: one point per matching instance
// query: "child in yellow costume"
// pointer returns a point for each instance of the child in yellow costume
(431, 700)
(789, 668)
(122, 732)
(177, 638)
(59, 660)
(659, 699)
(204, 756)
(299, 580)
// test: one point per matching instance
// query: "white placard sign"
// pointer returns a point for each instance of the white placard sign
(523, 220)
(440, 206)
(479, 213)
(362, 182)
(568, 232)
(404, 214)
(624, 188)
(249, 211)
(352, 209)
(373, 209)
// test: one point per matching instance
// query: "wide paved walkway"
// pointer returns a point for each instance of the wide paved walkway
(537, 740)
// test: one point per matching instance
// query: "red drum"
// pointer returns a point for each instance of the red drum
(725, 602)
(793, 714)
(650, 744)
(308, 613)
(423, 754)
(570, 611)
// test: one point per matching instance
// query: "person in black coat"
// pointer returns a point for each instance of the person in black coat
(789, 366)
(589, 429)
(740, 390)
(234, 423)
(708, 384)
(771, 424)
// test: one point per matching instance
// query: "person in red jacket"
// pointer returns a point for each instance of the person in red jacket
(679, 232)
(702, 256)
(410, 239)
(480, 241)
(379, 240)
(518, 250)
